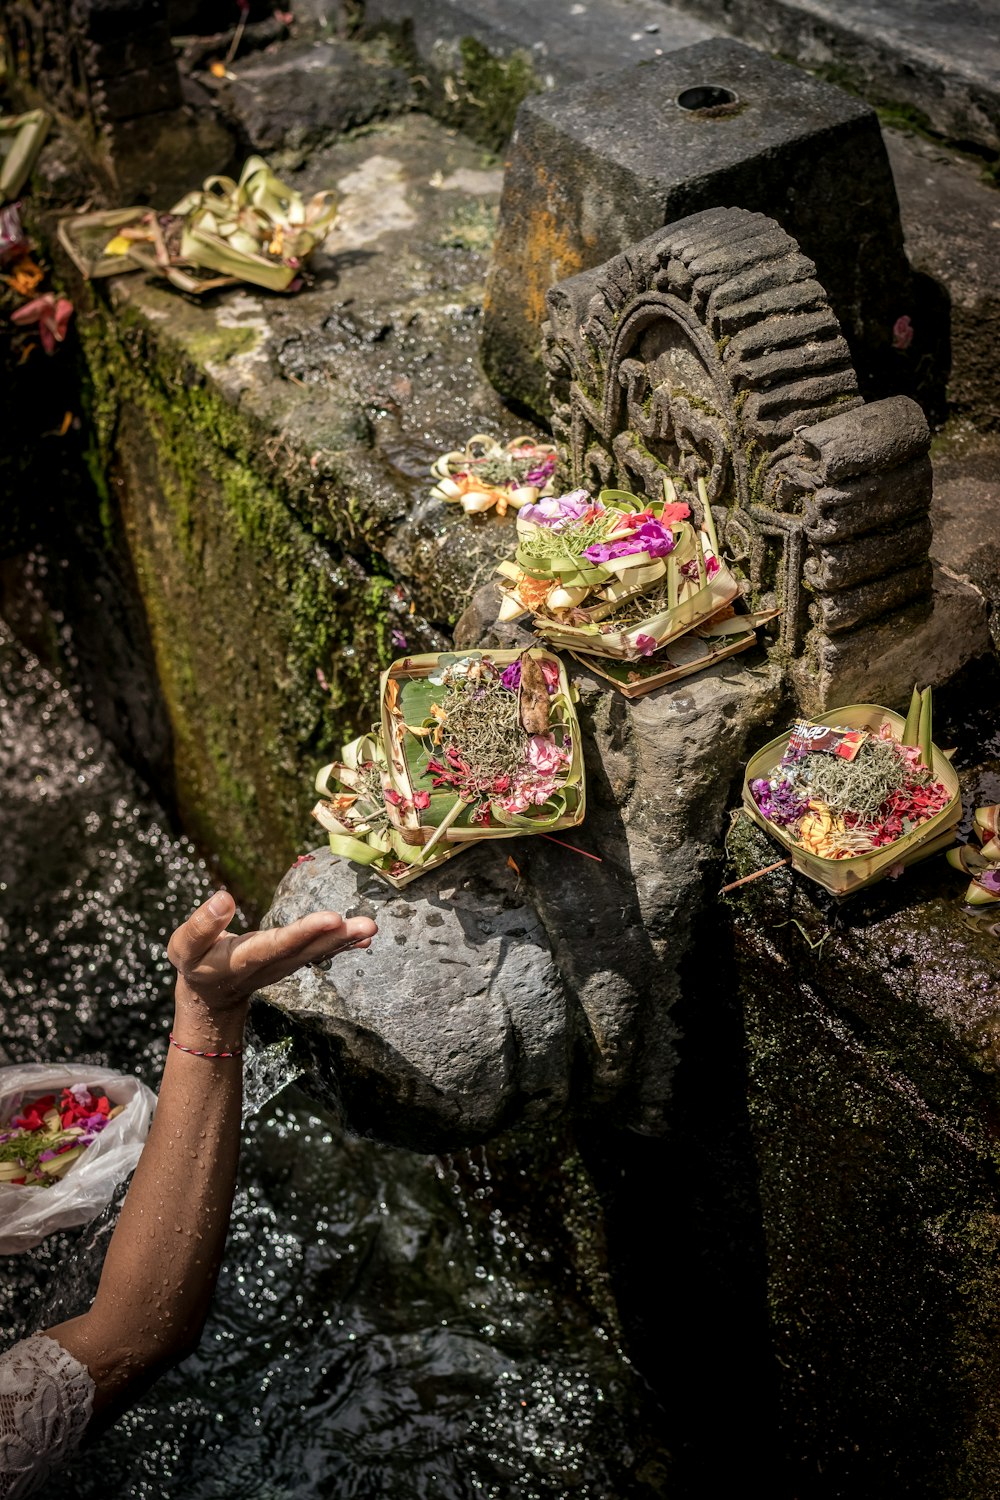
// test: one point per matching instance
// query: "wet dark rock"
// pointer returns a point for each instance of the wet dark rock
(873, 1033)
(301, 94)
(660, 773)
(454, 1023)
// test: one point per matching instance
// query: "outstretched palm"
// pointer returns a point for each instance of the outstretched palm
(223, 968)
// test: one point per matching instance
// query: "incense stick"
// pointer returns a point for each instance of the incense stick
(586, 854)
(755, 876)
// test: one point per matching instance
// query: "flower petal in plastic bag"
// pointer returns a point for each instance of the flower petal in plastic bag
(28, 1213)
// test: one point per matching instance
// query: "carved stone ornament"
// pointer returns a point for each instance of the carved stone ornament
(709, 349)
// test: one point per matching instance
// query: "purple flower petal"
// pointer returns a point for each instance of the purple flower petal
(541, 473)
(556, 510)
(652, 537)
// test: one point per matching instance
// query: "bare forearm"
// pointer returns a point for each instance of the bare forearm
(164, 1256)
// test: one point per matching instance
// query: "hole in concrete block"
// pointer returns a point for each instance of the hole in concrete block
(707, 96)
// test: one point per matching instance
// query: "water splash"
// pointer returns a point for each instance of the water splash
(268, 1067)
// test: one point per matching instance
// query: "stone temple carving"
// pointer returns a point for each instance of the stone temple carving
(709, 349)
(107, 70)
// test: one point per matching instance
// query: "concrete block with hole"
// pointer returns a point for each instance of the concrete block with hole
(596, 166)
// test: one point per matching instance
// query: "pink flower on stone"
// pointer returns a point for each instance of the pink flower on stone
(902, 333)
(51, 313)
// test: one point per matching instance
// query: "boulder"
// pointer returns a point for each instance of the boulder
(453, 1023)
(527, 963)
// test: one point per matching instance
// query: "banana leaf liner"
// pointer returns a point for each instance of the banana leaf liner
(257, 230)
(597, 607)
(700, 648)
(982, 864)
(21, 139)
(461, 474)
(121, 240)
(353, 811)
(844, 876)
(427, 815)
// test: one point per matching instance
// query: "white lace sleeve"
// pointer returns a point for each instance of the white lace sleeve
(46, 1398)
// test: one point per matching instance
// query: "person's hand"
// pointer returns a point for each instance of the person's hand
(217, 971)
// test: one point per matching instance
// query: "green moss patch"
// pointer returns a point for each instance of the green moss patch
(267, 642)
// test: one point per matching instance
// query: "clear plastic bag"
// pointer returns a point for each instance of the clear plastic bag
(29, 1213)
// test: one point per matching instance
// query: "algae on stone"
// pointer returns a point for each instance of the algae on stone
(249, 614)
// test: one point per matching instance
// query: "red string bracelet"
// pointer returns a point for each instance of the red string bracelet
(194, 1052)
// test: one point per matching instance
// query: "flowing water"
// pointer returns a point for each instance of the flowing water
(386, 1324)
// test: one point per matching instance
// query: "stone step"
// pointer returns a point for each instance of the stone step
(566, 41)
(937, 61)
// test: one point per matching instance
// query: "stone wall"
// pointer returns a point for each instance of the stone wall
(872, 1042)
(268, 463)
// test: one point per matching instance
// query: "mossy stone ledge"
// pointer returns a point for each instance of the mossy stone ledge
(269, 458)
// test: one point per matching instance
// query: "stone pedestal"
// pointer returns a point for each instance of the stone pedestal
(596, 166)
(710, 351)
